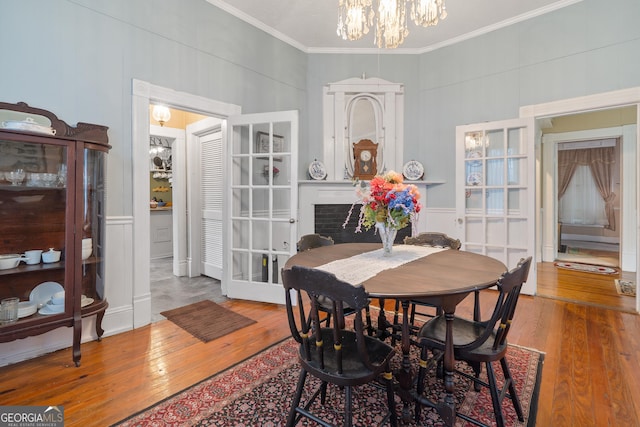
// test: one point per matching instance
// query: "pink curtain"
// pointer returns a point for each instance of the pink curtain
(567, 163)
(599, 160)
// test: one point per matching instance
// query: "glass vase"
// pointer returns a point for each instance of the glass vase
(388, 236)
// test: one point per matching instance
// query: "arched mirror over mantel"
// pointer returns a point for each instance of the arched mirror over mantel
(364, 121)
(357, 109)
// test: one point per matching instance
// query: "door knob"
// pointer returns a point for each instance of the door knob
(292, 220)
(460, 220)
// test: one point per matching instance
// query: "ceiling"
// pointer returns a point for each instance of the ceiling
(310, 25)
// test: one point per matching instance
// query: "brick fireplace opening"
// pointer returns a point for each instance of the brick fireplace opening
(328, 220)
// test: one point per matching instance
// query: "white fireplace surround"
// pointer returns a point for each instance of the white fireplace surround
(312, 193)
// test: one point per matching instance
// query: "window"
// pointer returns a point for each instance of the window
(581, 203)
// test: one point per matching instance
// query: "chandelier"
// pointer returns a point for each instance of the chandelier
(426, 13)
(355, 17)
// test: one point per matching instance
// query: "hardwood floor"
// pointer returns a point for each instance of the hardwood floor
(590, 375)
(584, 288)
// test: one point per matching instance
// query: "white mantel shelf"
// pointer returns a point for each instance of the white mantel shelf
(320, 192)
(352, 183)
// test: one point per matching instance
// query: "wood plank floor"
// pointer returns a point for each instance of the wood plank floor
(590, 375)
(585, 288)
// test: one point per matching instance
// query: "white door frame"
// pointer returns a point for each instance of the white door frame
(596, 102)
(143, 93)
(626, 136)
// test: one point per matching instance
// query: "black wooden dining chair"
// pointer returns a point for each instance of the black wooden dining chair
(312, 241)
(339, 355)
(478, 343)
(432, 239)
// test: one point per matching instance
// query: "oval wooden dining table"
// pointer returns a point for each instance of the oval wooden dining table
(443, 279)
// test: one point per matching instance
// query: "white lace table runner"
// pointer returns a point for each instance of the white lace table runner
(361, 267)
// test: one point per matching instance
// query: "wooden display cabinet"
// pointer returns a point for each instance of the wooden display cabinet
(58, 204)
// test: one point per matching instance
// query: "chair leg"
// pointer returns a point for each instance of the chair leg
(323, 392)
(412, 314)
(422, 371)
(391, 403)
(383, 323)
(477, 368)
(495, 397)
(348, 410)
(396, 317)
(291, 419)
(477, 315)
(367, 313)
(512, 388)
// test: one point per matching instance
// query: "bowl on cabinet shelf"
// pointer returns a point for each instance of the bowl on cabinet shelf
(86, 252)
(51, 256)
(10, 261)
(87, 247)
(58, 298)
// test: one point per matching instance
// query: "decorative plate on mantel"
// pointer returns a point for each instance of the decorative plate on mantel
(413, 170)
(317, 170)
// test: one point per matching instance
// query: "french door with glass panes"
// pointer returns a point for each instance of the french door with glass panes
(495, 191)
(262, 204)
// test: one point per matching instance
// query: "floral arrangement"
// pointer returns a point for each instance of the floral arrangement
(386, 200)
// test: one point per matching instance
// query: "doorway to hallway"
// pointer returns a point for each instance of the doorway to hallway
(169, 291)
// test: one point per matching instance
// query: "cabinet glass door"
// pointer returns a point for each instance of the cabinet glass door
(90, 248)
(34, 215)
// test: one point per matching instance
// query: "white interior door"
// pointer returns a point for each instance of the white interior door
(262, 189)
(211, 196)
(206, 148)
(495, 191)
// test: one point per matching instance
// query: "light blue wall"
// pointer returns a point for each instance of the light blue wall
(78, 58)
(589, 47)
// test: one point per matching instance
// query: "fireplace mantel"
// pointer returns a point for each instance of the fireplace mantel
(311, 193)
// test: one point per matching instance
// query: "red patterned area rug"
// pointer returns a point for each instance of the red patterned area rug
(258, 392)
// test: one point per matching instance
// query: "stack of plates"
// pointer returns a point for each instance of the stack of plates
(42, 293)
(55, 305)
(26, 308)
(86, 301)
(41, 297)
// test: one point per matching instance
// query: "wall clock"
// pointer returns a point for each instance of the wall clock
(365, 153)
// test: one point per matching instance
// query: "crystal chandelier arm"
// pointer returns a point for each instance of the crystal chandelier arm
(355, 17)
(426, 13)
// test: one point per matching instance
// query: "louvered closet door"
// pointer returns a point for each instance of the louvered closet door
(211, 196)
